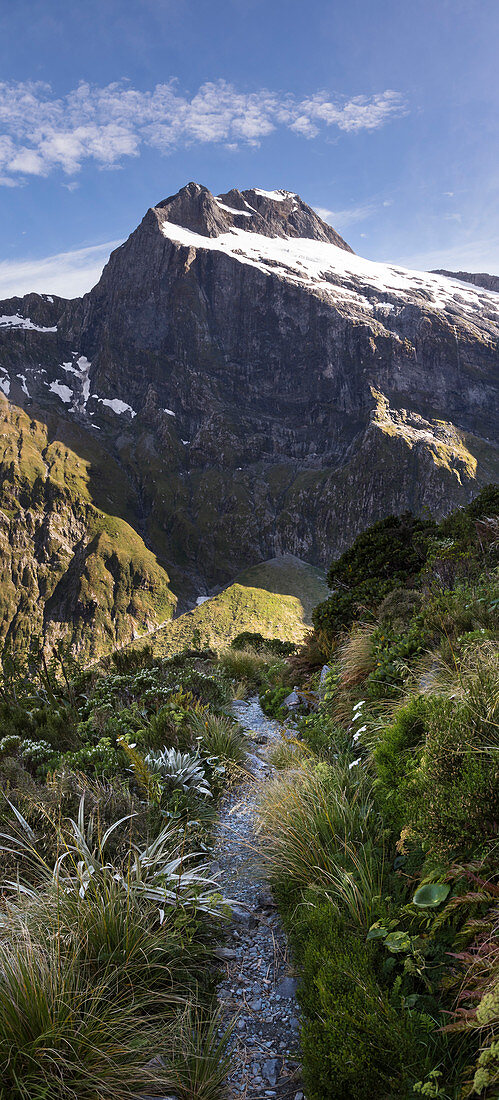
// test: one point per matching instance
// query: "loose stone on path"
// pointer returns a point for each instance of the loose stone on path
(259, 987)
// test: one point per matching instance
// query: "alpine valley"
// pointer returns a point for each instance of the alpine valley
(238, 386)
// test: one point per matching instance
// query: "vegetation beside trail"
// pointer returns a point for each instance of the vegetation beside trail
(110, 778)
(380, 832)
(379, 836)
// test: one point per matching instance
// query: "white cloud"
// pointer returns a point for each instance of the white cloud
(342, 219)
(68, 274)
(40, 133)
(323, 212)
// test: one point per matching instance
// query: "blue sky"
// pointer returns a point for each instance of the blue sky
(383, 114)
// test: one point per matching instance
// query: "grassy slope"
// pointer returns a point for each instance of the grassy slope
(274, 598)
(70, 567)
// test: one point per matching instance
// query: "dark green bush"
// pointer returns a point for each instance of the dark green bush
(397, 755)
(271, 701)
(257, 641)
(453, 799)
(386, 556)
(355, 1043)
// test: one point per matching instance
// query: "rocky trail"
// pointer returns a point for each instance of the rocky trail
(258, 988)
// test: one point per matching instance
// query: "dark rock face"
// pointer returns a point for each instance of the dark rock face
(259, 388)
(490, 282)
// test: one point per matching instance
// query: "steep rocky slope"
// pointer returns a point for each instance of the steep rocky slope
(478, 278)
(239, 384)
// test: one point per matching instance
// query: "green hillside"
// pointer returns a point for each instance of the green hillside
(275, 598)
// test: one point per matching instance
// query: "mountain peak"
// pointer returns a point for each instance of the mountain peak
(277, 213)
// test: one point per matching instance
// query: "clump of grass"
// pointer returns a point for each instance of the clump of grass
(355, 657)
(319, 830)
(65, 1038)
(245, 665)
(125, 942)
(221, 736)
(288, 753)
(198, 1063)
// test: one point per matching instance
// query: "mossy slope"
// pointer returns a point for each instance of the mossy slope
(69, 571)
(274, 598)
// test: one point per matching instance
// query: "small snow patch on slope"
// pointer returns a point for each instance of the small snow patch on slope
(117, 406)
(230, 210)
(15, 321)
(62, 391)
(277, 196)
(5, 386)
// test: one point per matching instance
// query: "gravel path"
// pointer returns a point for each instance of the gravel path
(259, 987)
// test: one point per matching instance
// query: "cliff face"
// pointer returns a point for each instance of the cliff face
(247, 386)
(490, 282)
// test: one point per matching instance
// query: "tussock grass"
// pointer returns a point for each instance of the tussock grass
(355, 657)
(63, 1037)
(197, 1062)
(288, 753)
(245, 665)
(318, 828)
(221, 736)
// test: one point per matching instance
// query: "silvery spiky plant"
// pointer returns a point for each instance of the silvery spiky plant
(183, 770)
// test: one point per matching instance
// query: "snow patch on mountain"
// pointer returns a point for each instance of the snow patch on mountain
(14, 320)
(346, 279)
(277, 196)
(62, 391)
(231, 210)
(117, 406)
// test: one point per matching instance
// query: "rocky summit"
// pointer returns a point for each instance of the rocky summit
(238, 385)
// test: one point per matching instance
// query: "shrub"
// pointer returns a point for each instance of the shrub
(172, 725)
(272, 700)
(355, 1042)
(102, 759)
(396, 757)
(324, 736)
(382, 558)
(454, 795)
(248, 640)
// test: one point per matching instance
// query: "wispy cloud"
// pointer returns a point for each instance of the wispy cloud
(69, 274)
(342, 219)
(480, 254)
(40, 132)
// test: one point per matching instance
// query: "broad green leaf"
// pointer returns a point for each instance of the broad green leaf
(431, 895)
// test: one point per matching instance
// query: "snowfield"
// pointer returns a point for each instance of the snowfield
(347, 280)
